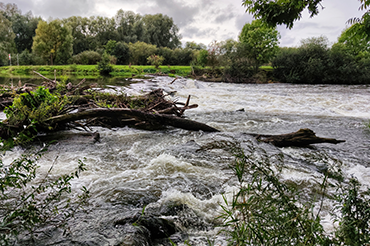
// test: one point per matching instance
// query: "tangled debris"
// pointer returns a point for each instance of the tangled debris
(55, 106)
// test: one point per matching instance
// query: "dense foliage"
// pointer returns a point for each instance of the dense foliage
(57, 40)
(132, 39)
(261, 42)
(53, 42)
(6, 39)
(315, 63)
(278, 12)
(87, 57)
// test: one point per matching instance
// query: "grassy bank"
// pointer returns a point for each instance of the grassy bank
(92, 70)
(216, 74)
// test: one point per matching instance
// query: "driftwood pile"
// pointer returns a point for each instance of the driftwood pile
(91, 107)
(150, 111)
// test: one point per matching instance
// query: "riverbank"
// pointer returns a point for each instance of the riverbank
(92, 70)
(127, 71)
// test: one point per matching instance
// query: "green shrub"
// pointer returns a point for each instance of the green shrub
(314, 63)
(202, 58)
(182, 56)
(155, 60)
(168, 56)
(110, 46)
(237, 67)
(104, 66)
(88, 57)
(354, 219)
(306, 64)
(36, 105)
(140, 51)
(27, 113)
(122, 52)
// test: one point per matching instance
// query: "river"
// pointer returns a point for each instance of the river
(129, 168)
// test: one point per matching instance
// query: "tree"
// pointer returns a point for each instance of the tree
(182, 56)
(82, 36)
(161, 31)
(104, 65)
(8, 10)
(102, 29)
(261, 41)
(122, 53)
(24, 27)
(7, 36)
(277, 12)
(110, 46)
(238, 67)
(314, 62)
(53, 41)
(155, 60)
(213, 54)
(202, 58)
(130, 27)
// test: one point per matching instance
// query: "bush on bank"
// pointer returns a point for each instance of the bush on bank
(315, 63)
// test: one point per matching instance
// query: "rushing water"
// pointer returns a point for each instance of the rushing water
(132, 168)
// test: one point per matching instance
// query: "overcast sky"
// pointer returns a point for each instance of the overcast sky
(202, 21)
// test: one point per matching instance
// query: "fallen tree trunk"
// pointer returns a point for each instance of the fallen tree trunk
(301, 138)
(124, 113)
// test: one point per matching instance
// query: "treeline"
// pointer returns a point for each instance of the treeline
(314, 62)
(128, 36)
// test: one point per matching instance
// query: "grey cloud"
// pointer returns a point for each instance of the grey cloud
(65, 8)
(24, 5)
(225, 14)
(56, 8)
(193, 32)
(229, 35)
(241, 20)
(181, 13)
(288, 41)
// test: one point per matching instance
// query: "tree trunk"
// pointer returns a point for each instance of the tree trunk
(124, 113)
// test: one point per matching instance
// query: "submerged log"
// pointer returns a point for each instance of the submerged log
(301, 138)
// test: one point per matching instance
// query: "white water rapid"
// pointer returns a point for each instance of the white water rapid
(132, 168)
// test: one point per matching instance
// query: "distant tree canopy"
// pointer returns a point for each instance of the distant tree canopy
(126, 26)
(23, 26)
(88, 33)
(314, 62)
